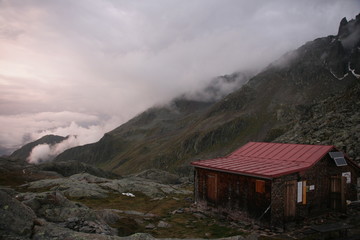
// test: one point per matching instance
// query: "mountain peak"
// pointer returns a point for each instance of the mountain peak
(349, 28)
(342, 27)
(24, 152)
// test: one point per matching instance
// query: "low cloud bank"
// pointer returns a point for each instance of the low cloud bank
(82, 135)
(221, 86)
(81, 129)
(46, 152)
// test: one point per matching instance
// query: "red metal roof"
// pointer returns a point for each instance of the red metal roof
(267, 160)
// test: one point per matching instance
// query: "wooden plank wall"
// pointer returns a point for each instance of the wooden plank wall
(232, 191)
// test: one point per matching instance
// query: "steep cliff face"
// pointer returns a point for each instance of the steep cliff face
(272, 103)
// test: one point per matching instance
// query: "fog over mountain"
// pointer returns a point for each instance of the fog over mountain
(84, 67)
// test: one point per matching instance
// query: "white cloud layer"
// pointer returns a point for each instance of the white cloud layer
(66, 61)
(23, 128)
(45, 152)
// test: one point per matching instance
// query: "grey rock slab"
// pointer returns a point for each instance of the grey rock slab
(15, 218)
(74, 186)
(56, 232)
(86, 177)
(150, 226)
(108, 215)
(135, 213)
(89, 226)
(55, 207)
(163, 224)
(86, 185)
(149, 188)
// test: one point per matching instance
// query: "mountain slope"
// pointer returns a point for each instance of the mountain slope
(24, 152)
(266, 107)
(335, 120)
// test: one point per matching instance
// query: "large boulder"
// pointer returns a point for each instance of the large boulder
(16, 219)
(149, 188)
(79, 185)
(55, 207)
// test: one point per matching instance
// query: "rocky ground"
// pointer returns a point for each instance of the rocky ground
(333, 121)
(44, 204)
(151, 205)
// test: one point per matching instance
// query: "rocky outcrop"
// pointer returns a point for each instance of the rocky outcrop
(52, 231)
(342, 28)
(88, 226)
(49, 214)
(55, 231)
(55, 207)
(333, 121)
(16, 219)
(69, 168)
(79, 185)
(149, 188)
(86, 185)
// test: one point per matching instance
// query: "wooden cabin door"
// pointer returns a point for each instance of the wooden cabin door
(290, 199)
(337, 193)
(211, 189)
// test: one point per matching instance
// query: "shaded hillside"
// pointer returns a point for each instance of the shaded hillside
(3, 151)
(146, 133)
(335, 120)
(269, 105)
(24, 152)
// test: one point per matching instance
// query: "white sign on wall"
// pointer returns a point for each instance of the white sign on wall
(299, 192)
(348, 176)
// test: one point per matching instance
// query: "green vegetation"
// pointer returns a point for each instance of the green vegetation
(174, 210)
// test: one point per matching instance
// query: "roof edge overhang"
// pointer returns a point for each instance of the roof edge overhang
(270, 177)
(233, 172)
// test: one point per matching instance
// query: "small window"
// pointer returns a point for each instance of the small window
(338, 158)
(340, 161)
(260, 186)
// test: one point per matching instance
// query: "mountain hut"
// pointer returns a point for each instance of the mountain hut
(276, 183)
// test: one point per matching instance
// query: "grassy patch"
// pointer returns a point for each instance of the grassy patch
(186, 225)
(12, 179)
(141, 203)
(183, 224)
(15, 178)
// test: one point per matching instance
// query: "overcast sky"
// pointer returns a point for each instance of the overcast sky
(86, 66)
